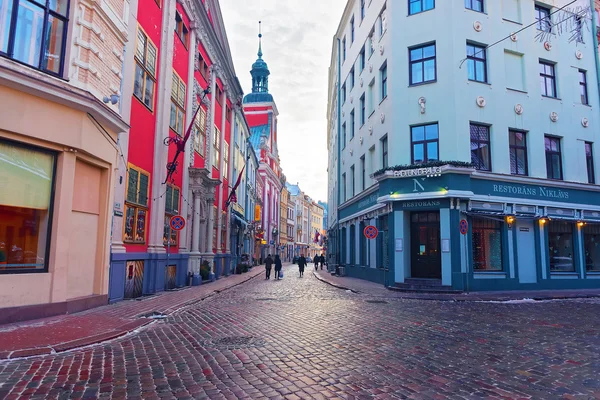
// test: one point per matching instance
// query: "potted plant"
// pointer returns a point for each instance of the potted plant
(205, 270)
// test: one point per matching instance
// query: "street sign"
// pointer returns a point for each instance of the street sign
(371, 232)
(463, 226)
(177, 222)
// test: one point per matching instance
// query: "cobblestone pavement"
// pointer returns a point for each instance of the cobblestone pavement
(301, 338)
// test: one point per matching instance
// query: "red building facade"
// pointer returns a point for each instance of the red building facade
(181, 61)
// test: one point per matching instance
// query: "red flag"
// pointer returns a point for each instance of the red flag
(232, 197)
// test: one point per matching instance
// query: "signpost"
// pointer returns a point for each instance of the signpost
(371, 232)
(463, 226)
(176, 223)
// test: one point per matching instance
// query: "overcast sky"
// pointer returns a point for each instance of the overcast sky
(297, 39)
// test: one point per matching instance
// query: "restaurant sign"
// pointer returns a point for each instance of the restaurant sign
(411, 173)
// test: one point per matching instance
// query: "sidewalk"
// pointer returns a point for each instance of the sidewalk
(64, 332)
(375, 289)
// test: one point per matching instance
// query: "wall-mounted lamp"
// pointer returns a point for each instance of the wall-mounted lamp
(580, 224)
(543, 221)
(509, 220)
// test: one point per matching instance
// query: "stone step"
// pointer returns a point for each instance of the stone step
(423, 285)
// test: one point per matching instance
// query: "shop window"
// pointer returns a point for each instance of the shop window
(200, 132)
(487, 244)
(352, 244)
(560, 246)
(177, 105)
(171, 209)
(34, 33)
(591, 246)
(145, 70)
(136, 206)
(26, 182)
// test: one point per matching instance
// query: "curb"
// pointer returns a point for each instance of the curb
(333, 284)
(106, 336)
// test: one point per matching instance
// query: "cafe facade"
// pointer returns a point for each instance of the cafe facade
(473, 231)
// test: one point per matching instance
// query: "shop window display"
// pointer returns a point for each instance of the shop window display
(591, 247)
(487, 245)
(26, 183)
(560, 246)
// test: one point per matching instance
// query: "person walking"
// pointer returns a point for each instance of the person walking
(268, 266)
(277, 266)
(301, 265)
(316, 261)
(322, 261)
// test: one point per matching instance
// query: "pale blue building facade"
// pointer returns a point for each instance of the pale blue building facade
(477, 164)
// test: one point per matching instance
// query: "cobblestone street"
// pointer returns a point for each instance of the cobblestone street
(301, 338)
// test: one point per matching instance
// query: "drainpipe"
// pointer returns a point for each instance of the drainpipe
(595, 38)
(339, 149)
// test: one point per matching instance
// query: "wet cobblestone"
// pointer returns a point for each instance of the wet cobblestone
(301, 339)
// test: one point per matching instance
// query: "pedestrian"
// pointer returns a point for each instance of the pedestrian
(301, 264)
(277, 266)
(268, 266)
(322, 261)
(316, 261)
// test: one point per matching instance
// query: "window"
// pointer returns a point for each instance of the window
(353, 179)
(344, 138)
(35, 34)
(553, 158)
(361, 58)
(370, 98)
(200, 132)
(352, 244)
(578, 29)
(171, 209)
(217, 147)
(218, 94)
(177, 105)
(560, 246)
(480, 147)
(475, 5)
(136, 205)
(517, 141)
(363, 174)
(547, 79)
(476, 63)
(542, 17)
(384, 152)
(382, 23)
(344, 49)
(181, 29)
(352, 30)
(589, 162)
(352, 124)
(202, 66)
(370, 43)
(383, 73)
(417, 6)
(145, 70)
(591, 247)
(363, 110)
(344, 187)
(422, 64)
(362, 10)
(487, 244)
(351, 77)
(424, 143)
(583, 87)
(225, 161)
(26, 200)
(344, 93)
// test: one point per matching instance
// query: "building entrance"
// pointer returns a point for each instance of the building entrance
(425, 260)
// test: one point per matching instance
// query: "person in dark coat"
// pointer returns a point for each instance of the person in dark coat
(301, 265)
(322, 260)
(277, 266)
(268, 266)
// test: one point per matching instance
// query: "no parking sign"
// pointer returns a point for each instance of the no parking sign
(177, 222)
(371, 232)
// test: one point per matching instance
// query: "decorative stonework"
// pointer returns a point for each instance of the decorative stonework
(518, 109)
(481, 102)
(578, 54)
(553, 116)
(547, 46)
(382, 118)
(514, 37)
(422, 102)
(477, 26)
(585, 122)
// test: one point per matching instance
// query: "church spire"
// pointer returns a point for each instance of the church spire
(259, 40)
(260, 72)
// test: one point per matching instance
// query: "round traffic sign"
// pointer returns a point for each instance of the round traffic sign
(371, 232)
(177, 222)
(463, 226)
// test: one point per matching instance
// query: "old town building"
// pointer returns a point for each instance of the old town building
(486, 180)
(63, 124)
(283, 223)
